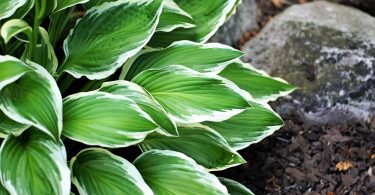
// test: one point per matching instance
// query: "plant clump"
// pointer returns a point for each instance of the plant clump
(109, 74)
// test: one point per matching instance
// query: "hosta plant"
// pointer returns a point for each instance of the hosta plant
(85, 85)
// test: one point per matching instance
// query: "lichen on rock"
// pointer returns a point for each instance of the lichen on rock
(328, 51)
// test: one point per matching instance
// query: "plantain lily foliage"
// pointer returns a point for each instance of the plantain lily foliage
(84, 81)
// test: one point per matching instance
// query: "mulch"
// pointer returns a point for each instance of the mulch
(307, 158)
(303, 158)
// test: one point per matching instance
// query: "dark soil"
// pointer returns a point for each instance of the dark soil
(301, 158)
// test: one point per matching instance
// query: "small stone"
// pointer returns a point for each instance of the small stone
(295, 173)
(348, 180)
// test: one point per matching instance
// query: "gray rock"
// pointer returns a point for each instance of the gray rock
(328, 51)
(244, 20)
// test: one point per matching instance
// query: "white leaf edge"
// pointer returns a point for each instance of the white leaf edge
(60, 157)
(215, 181)
(221, 21)
(139, 136)
(132, 170)
(225, 143)
(263, 73)
(215, 116)
(18, 5)
(216, 70)
(122, 58)
(171, 5)
(14, 78)
(267, 132)
(140, 89)
(12, 114)
(57, 9)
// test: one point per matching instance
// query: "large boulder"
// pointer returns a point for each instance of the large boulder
(244, 20)
(328, 51)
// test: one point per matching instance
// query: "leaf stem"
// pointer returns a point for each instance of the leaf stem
(34, 38)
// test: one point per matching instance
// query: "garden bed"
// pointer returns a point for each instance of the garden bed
(307, 158)
(304, 158)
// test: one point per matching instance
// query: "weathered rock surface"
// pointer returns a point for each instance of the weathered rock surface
(244, 20)
(328, 51)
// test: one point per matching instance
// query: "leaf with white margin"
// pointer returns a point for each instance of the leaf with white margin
(260, 85)
(44, 53)
(234, 9)
(103, 119)
(63, 4)
(23, 10)
(169, 172)
(108, 35)
(14, 27)
(208, 16)
(8, 126)
(210, 57)
(33, 163)
(34, 99)
(248, 127)
(145, 102)
(173, 17)
(207, 147)
(11, 70)
(190, 96)
(9, 7)
(98, 171)
(235, 188)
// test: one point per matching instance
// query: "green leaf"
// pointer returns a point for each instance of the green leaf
(46, 7)
(11, 70)
(108, 35)
(8, 7)
(34, 99)
(145, 102)
(190, 96)
(103, 119)
(207, 147)
(234, 9)
(61, 23)
(14, 27)
(174, 17)
(209, 57)
(261, 86)
(208, 16)
(235, 188)
(44, 53)
(23, 10)
(34, 164)
(248, 127)
(9, 126)
(169, 172)
(3, 191)
(98, 171)
(92, 3)
(63, 4)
